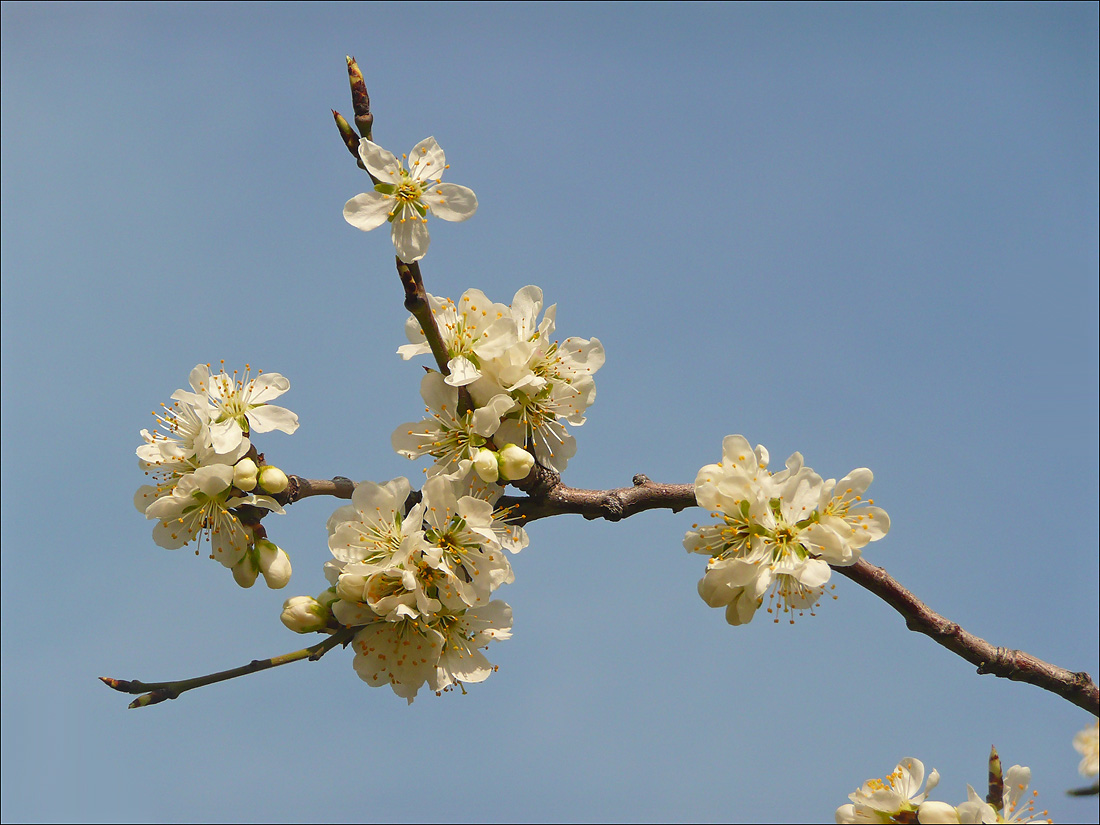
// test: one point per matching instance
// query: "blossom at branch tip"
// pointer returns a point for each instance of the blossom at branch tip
(404, 197)
(1087, 743)
(777, 533)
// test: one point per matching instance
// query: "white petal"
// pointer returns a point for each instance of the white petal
(368, 211)
(270, 417)
(410, 238)
(267, 387)
(463, 372)
(450, 201)
(380, 162)
(426, 160)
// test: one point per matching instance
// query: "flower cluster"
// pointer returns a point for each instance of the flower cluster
(209, 481)
(898, 798)
(522, 387)
(416, 580)
(403, 197)
(777, 533)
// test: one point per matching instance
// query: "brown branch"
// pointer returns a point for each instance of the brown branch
(299, 488)
(612, 505)
(1016, 665)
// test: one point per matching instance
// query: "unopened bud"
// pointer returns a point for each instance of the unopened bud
(246, 570)
(272, 479)
(352, 587)
(244, 475)
(486, 466)
(515, 462)
(937, 813)
(304, 614)
(274, 564)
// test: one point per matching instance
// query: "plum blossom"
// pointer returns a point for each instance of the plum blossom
(883, 800)
(237, 405)
(202, 504)
(505, 358)
(1087, 743)
(777, 533)
(205, 468)
(405, 196)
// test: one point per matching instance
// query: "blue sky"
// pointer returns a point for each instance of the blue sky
(867, 233)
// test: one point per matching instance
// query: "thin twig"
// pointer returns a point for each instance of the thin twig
(155, 692)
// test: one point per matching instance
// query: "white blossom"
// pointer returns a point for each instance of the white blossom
(374, 526)
(1087, 743)
(505, 352)
(777, 533)
(237, 405)
(472, 330)
(200, 505)
(882, 800)
(405, 196)
(448, 436)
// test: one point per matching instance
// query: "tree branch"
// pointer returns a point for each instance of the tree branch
(612, 505)
(1007, 663)
(555, 499)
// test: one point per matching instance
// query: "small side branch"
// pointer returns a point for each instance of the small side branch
(1016, 665)
(155, 692)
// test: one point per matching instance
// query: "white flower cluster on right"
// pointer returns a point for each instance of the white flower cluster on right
(899, 798)
(525, 388)
(417, 584)
(777, 533)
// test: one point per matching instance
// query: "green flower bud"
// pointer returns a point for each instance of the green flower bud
(246, 570)
(304, 614)
(244, 475)
(486, 465)
(515, 462)
(272, 479)
(274, 564)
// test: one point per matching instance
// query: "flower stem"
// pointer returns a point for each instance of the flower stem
(155, 692)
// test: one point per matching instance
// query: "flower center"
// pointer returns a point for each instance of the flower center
(409, 190)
